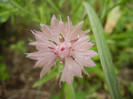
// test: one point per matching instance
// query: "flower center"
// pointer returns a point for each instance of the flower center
(63, 50)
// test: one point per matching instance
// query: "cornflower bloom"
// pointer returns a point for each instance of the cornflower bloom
(67, 42)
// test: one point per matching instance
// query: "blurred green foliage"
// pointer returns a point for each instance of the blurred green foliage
(19, 47)
(120, 41)
(4, 75)
(130, 88)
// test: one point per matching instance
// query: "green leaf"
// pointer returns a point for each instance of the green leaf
(69, 91)
(80, 95)
(105, 56)
(45, 79)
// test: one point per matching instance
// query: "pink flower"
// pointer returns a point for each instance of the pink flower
(66, 41)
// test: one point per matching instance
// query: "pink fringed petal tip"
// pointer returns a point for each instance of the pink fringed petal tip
(67, 42)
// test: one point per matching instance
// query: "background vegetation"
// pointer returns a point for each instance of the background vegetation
(18, 78)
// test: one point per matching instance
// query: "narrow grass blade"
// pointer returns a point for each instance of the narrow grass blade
(104, 53)
(17, 5)
(52, 4)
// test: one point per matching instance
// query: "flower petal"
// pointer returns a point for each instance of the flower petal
(71, 69)
(54, 21)
(47, 66)
(51, 33)
(83, 33)
(84, 58)
(39, 54)
(82, 46)
(42, 45)
(75, 33)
